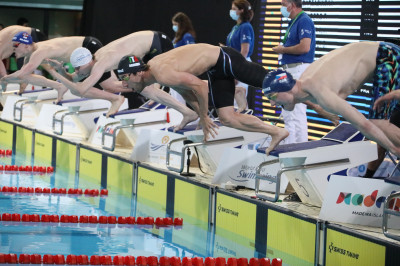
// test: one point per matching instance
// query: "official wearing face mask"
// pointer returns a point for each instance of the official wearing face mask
(297, 51)
(241, 38)
(183, 28)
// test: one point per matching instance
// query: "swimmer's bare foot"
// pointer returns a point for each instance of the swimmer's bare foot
(277, 137)
(115, 105)
(187, 118)
(61, 90)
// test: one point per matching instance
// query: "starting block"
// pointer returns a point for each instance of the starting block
(391, 208)
(72, 118)
(308, 165)
(210, 152)
(122, 129)
(26, 107)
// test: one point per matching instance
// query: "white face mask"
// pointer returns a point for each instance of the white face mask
(233, 15)
(285, 12)
(175, 28)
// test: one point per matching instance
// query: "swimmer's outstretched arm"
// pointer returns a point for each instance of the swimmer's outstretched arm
(321, 111)
(333, 103)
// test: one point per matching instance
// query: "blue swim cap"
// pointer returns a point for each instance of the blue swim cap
(278, 80)
(22, 37)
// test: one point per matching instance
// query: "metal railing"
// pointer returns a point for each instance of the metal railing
(67, 113)
(386, 212)
(277, 180)
(113, 135)
(193, 144)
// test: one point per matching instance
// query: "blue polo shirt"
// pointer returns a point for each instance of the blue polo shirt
(303, 27)
(186, 39)
(242, 33)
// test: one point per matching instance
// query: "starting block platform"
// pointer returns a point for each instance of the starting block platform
(25, 108)
(121, 130)
(211, 152)
(308, 165)
(73, 118)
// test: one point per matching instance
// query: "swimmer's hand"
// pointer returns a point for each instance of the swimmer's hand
(57, 65)
(394, 95)
(209, 128)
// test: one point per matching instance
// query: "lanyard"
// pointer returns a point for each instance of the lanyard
(231, 34)
(291, 24)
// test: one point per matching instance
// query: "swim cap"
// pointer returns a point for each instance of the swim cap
(22, 37)
(130, 64)
(278, 80)
(80, 56)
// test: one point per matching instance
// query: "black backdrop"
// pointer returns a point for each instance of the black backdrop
(108, 20)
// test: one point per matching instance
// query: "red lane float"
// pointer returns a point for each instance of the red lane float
(71, 259)
(64, 191)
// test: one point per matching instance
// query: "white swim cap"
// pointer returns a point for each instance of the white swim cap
(80, 56)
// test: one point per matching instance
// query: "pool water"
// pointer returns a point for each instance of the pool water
(194, 237)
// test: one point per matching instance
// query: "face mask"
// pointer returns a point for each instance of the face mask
(175, 28)
(285, 12)
(233, 15)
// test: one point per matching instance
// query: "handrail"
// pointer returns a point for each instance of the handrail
(66, 113)
(114, 133)
(277, 180)
(194, 144)
(386, 213)
(20, 108)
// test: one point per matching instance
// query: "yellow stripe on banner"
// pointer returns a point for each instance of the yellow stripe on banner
(272, 25)
(290, 238)
(153, 187)
(43, 150)
(270, 55)
(6, 135)
(343, 249)
(270, 62)
(24, 143)
(119, 176)
(271, 31)
(90, 165)
(272, 19)
(65, 156)
(321, 126)
(191, 200)
(235, 219)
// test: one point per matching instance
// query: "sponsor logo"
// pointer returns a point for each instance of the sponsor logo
(86, 161)
(134, 64)
(146, 182)
(165, 140)
(225, 249)
(228, 211)
(100, 129)
(341, 251)
(367, 201)
(281, 76)
(248, 172)
(40, 144)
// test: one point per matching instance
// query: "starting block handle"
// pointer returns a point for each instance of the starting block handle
(66, 113)
(386, 213)
(194, 144)
(20, 108)
(181, 154)
(114, 134)
(277, 180)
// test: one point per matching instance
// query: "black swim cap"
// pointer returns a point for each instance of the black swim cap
(278, 80)
(130, 64)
